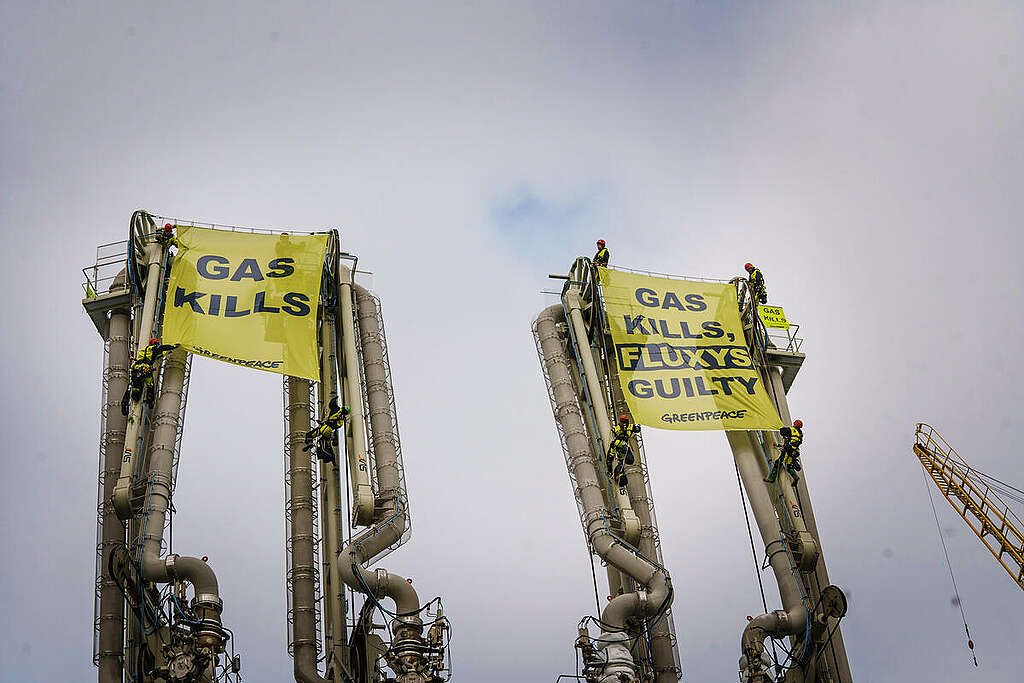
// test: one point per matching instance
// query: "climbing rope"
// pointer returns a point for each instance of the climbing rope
(945, 552)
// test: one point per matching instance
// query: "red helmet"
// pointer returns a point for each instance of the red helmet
(798, 424)
(600, 243)
(623, 418)
(153, 340)
(748, 267)
(168, 227)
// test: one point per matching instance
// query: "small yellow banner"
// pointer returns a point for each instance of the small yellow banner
(247, 299)
(681, 356)
(773, 316)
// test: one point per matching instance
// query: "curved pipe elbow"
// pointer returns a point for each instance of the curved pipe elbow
(303, 674)
(199, 574)
(379, 583)
(643, 603)
(191, 569)
(652, 599)
(778, 623)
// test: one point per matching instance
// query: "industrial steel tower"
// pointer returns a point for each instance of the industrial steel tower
(636, 639)
(158, 613)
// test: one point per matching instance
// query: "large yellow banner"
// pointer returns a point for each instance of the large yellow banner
(247, 299)
(681, 356)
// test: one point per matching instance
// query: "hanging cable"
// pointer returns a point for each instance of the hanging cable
(956, 592)
(753, 552)
(593, 574)
(750, 533)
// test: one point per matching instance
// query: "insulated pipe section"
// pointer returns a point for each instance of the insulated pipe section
(362, 493)
(792, 619)
(111, 615)
(303, 571)
(207, 603)
(407, 628)
(378, 392)
(655, 595)
(573, 305)
(123, 489)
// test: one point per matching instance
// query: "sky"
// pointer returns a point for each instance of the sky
(867, 156)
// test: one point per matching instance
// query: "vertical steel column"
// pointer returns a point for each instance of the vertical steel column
(111, 614)
(300, 471)
(122, 495)
(836, 645)
(792, 619)
(331, 507)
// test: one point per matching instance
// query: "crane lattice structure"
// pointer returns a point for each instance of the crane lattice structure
(988, 515)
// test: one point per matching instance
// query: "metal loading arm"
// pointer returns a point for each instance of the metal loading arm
(653, 595)
(988, 516)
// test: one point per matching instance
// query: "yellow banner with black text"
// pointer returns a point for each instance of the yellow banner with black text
(245, 298)
(681, 356)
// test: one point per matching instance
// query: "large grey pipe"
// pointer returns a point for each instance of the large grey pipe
(356, 445)
(111, 615)
(836, 643)
(207, 602)
(303, 571)
(122, 496)
(792, 618)
(662, 653)
(655, 595)
(390, 524)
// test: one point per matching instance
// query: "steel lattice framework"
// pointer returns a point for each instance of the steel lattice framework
(988, 515)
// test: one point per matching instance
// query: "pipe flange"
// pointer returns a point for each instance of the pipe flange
(208, 600)
(408, 620)
(169, 566)
(382, 582)
(642, 599)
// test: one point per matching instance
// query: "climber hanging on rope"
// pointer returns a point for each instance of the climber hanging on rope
(790, 457)
(619, 452)
(322, 435)
(141, 373)
(758, 292)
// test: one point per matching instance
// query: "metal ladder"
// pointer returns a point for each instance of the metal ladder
(991, 519)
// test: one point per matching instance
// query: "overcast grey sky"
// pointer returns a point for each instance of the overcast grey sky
(868, 156)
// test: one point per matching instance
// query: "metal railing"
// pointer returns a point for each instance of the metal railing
(162, 220)
(786, 340)
(110, 259)
(781, 340)
(670, 276)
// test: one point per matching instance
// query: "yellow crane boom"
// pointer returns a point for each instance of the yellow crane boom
(991, 519)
